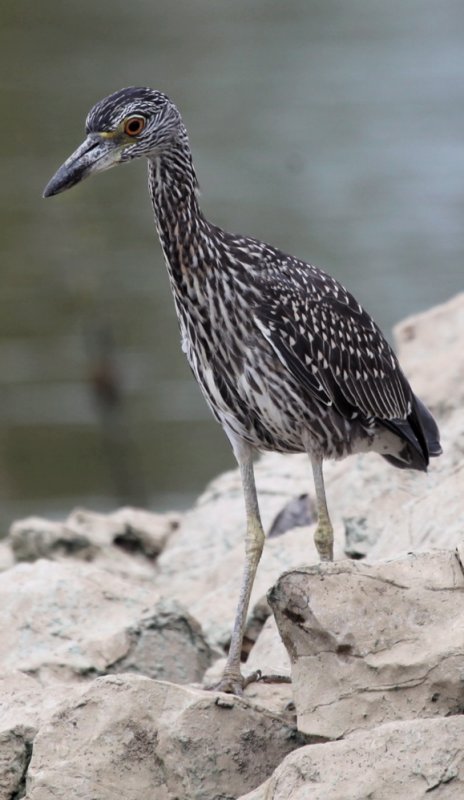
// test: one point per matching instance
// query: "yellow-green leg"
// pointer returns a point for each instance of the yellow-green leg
(232, 680)
(323, 537)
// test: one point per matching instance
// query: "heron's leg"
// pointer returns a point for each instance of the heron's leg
(232, 680)
(323, 537)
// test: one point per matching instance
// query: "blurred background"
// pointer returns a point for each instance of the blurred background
(333, 129)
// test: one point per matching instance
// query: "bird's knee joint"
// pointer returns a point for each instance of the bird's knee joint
(254, 541)
(323, 539)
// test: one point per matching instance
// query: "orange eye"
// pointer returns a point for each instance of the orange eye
(134, 125)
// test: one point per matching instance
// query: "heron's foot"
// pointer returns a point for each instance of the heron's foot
(235, 682)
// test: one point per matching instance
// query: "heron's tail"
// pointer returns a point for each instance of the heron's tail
(419, 438)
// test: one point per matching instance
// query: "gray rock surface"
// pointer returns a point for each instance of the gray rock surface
(72, 620)
(104, 539)
(369, 643)
(131, 737)
(24, 706)
(402, 760)
(431, 353)
(270, 657)
(15, 750)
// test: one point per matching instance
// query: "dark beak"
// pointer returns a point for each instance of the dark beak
(94, 155)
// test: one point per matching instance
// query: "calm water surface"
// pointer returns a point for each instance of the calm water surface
(332, 129)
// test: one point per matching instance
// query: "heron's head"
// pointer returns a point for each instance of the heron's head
(130, 123)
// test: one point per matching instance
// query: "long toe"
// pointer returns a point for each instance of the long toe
(235, 683)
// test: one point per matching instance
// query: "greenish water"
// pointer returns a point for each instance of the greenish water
(332, 129)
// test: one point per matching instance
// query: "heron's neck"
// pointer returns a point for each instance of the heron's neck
(180, 224)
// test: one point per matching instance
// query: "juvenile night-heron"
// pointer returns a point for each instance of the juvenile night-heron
(286, 358)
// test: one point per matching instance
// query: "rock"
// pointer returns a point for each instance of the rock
(72, 620)
(373, 643)
(270, 657)
(404, 760)
(132, 529)
(126, 542)
(33, 538)
(15, 750)
(435, 520)
(25, 704)
(359, 538)
(132, 737)
(431, 354)
(269, 654)
(167, 644)
(299, 512)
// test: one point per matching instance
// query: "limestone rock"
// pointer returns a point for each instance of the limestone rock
(435, 520)
(299, 512)
(270, 657)
(33, 538)
(373, 643)
(128, 736)
(402, 760)
(68, 620)
(24, 705)
(431, 354)
(269, 654)
(132, 529)
(15, 750)
(167, 644)
(126, 542)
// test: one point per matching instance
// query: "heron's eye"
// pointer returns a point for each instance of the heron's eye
(134, 125)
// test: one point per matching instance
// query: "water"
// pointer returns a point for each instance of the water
(332, 129)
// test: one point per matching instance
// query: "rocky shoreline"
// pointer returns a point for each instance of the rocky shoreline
(113, 625)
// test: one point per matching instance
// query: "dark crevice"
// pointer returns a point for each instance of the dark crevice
(293, 616)
(21, 790)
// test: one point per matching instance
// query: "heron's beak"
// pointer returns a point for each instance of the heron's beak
(97, 153)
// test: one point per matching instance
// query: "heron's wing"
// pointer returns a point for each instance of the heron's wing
(329, 344)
